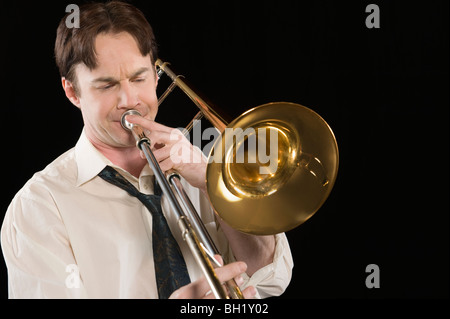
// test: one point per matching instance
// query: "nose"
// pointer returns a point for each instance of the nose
(128, 97)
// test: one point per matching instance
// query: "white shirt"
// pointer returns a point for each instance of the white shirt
(70, 234)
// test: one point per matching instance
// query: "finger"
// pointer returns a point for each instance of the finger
(199, 288)
(239, 280)
(194, 290)
(249, 292)
(210, 294)
(225, 273)
(230, 271)
(147, 124)
(165, 138)
(166, 164)
(162, 153)
(219, 259)
(176, 155)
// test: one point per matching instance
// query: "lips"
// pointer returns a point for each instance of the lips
(143, 114)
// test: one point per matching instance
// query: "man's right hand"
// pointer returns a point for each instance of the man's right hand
(200, 288)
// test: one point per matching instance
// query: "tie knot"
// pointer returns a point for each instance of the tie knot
(112, 176)
(152, 202)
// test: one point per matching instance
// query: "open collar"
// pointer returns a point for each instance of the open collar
(89, 160)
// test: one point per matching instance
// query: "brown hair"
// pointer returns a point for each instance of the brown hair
(77, 45)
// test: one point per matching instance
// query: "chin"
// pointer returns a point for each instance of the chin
(121, 137)
(128, 141)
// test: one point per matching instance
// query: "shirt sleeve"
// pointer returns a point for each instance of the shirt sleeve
(37, 250)
(273, 279)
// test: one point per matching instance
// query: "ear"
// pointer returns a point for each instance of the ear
(70, 92)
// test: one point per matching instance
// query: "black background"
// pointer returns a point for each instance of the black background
(383, 91)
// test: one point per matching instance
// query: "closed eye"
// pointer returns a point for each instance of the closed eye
(140, 79)
(107, 86)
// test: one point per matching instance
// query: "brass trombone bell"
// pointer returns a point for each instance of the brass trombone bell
(268, 202)
(251, 195)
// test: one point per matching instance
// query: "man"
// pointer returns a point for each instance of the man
(72, 233)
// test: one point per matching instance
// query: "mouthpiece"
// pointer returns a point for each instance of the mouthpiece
(136, 130)
(125, 124)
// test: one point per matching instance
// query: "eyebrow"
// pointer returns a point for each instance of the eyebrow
(108, 79)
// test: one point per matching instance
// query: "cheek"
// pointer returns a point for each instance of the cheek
(150, 99)
(95, 109)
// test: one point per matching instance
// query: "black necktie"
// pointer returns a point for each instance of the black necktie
(170, 267)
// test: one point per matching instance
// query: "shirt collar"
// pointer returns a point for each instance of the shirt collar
(90, 162)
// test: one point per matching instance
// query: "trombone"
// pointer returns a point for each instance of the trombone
(250, 195)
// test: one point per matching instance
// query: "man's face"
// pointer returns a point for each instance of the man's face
(123, 80)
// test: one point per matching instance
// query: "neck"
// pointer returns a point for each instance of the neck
(127, 158)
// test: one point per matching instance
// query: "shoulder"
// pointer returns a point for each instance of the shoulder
(43, 186)
(33, 215)
(63, 170)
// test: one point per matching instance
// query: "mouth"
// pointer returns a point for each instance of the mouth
(118, 126)
(129, 112)
(125, 124)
